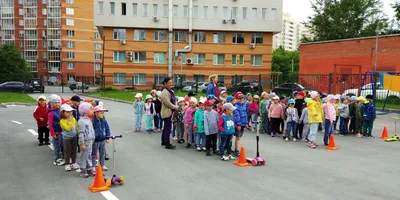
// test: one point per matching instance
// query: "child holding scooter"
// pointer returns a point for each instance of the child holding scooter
(86, 138)
(101, 131)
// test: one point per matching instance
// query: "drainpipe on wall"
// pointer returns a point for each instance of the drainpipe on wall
(190, 33)
(170, 36)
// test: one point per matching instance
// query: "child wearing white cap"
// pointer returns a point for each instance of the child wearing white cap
(69, 134)
(315, 116)
(138, 110)
(55, 128)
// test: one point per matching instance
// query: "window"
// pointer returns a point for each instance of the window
(70, 66)
(199, 59)
(101, 7)
(97, 35)
(179, 78)
(159, 78)
(70, 1)
(44, 65)
(180, 36)
(70, 22)
(241, 60)
(205, 11)
(160, 58)
(69, 11)
(21, 11)
(234, 60)
(20, 1)
(175, 10)
(119, 78)
(200, 37)
(70, 33)
(44, 1)
(44, 43)
(273, 14)
(238, 38)
(185, 11)
(139, 79)
(44, 11)
(183, 58)
(234, 12)
(244, 12)
(45, 22)
(257, 38)
(21, 33)
(219, 59)
(254, 13)
(97, 67)
(198, 78)
(263, 13)
(195, 11)
(139, 35)
(119, 57)
(165, 10)
(160, 36)
(44, 54)
(70, 44)
(112, 8)
(44, 33)
(155, 10)
(21, 44)
(140, 57)
(256, 60)
(225, 12)
(123, 8)
(21, 22)
(97, 56)
(119, 34)
(144, 11)
(71, 55)
(215, 13)
(98, 46)
(219, 37)
(134, 11)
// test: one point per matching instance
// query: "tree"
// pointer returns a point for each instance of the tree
(341, 19)
(13, 66)
(282, 61)
(396, 7)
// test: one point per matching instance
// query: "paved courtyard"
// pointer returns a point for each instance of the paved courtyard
(360, 169)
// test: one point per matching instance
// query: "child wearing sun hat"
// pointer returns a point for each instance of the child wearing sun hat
(86, 138)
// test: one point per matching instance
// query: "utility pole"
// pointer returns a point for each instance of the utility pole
(94, 60)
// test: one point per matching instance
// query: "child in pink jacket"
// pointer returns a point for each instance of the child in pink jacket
(330, 117)
(189, 121)
(254, 112)
(275, 114)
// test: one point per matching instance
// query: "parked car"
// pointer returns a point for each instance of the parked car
(37, 85)
(202, 87)
(245, 87)
(15, 86)
(286, 89)
(78, 86)
(367, 90)
(178, 86)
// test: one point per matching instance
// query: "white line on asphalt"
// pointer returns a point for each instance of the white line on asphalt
(32, 131)
(17, 122)
(109, 196)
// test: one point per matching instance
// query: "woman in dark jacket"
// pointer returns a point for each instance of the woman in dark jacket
(168, 107)
(212, 88)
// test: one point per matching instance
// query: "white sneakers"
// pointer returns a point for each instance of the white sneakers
(68, 168)
(104, 168)
(230, 157)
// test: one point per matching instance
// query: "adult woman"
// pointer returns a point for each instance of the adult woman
(212, 88)
(168, 101)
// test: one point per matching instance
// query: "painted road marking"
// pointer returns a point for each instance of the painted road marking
(32, 131)
(109, 196)
(17, 122)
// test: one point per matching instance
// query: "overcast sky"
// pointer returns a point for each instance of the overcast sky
(301, 9)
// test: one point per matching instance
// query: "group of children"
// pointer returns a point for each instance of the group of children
(78, 130)
(151, 109)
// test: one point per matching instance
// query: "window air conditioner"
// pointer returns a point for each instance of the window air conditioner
(123, 42)
(224, 21)
(252, 45)
(155, 19)
(233, 21)
(189, 61)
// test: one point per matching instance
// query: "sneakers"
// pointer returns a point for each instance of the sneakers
(181, 141)
(59, 162)
(231, 157)
(84, 173)
(68, 168)
(208, 152)
(358, 135)
(294, 140)
(170, 146)
(216, 152)
(163, 143)
(286, 139)
(106, 157)
(175, 138)
(224, 158)
(237, 153)
(370, 137)
(47, 143)
(188, 145)
(40, 144)
(104, 168)
(74, 166)
(204, 149)
(311, 145)
(91, 172)
(198, 149)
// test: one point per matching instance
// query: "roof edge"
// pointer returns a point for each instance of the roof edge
(349, 39)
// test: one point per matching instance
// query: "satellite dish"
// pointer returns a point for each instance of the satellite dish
(53, 79)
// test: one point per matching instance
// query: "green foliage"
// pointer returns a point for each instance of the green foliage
(342, 19)
(396, 7)
(13, 66)
(282, 61)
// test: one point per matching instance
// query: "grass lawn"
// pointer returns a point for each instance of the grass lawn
(389, 105)
(130, 96)
(8, 97)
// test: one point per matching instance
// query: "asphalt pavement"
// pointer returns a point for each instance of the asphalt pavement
(360, 169)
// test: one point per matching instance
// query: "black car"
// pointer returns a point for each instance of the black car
(246, 87)
(37, 85)
(287, 89)
(15, 86)
(74, 86)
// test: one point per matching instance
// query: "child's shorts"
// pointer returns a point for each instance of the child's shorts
(240, 133)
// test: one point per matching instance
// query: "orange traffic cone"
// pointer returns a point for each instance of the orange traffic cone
(384, 133)
(331, 144)
(242, 162)
(99, 184)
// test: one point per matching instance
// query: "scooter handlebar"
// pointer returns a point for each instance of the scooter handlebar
(113, 137)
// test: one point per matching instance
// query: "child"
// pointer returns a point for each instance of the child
(369, 115)
(240, 113)
(230, 99)
(352, 108)
(247, 102)
(304, 120)
(263, 109)
(226, 127)
(41, 116)
(223, 95)
(275, 115)
(69, 130)
(189, 122)
(138, 109)
(292, 119)
(199, 126)
(211, 127)
(283, 121)
(359, 117)
(149, 113)
(55, 129)
(86, 138)
(336, 104)
(76, 101)
(157, 104)
(101, 132)
(330, 116)
(299, 105)
(344, 115)
(254, 112)
(314, 107)
(178, 121)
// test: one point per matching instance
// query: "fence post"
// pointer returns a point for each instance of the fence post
(374, 92)
(235, 83)
(133, 82)
(330, 83)
(82, 85)
(197, 84)
(259, 84)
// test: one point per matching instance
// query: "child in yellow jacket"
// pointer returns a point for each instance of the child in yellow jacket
(69, 133)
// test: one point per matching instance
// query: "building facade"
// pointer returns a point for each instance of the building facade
(146, 41)
(291, 35)
(54, 36)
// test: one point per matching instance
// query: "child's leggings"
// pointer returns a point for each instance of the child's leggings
(58, 146)
(100, 147)
(149, 122)
(306, 131)
(275, 123)
(70, 147)
(190, 134)
(313, 132)
(137, 123)
(85, 157)
(254, 120)
(201, 137)
(328, 130)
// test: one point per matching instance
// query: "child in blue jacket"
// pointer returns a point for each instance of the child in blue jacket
(369, 114)
(101, 131)
(241, 120)
(226, 127)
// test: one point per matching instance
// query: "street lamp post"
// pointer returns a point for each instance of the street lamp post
(376, 49)
(94, 60)
(180, 77)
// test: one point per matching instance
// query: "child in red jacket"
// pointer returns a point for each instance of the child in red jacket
(40, 114)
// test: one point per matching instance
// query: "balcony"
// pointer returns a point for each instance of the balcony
(54, 70)
(30, 58)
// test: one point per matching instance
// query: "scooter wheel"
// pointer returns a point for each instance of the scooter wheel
(122, 180)
(254, 162)
(108, 182)
(264, 161)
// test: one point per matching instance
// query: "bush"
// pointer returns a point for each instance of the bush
(393, 99)
(108, 89)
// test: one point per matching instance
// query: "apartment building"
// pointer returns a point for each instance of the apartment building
(291, 35)
(55, 37)
(147, 40)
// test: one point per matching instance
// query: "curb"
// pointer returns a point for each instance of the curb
(104, 98)
(15, 104)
